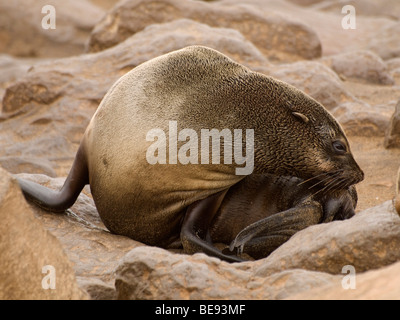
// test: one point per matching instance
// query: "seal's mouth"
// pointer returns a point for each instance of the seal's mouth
(333, 181)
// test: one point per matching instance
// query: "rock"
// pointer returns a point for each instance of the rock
(22, 34)
(360, 65)
(105, 4)
(387, 44)
(152, 273)
(26, 249)
(383, 284)
(325, 19)
(361, 119)
(392, 136)
(92, 249)
(164, 38)
(393, 64)
(97, 289)
(396, 74)
(305, 2)
(13, 68)
(46, 112)
(180, 33)
(369, 240)
(21, 164)
(369, 8)
(394, 67)
(275, 36)
(315, 79)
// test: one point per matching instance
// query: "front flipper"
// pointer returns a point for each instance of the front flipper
(340, 205)
(195, 228)
(264, 236)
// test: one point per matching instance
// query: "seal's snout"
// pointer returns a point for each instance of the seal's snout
(352, 170)
(360, 176)
(353, 176)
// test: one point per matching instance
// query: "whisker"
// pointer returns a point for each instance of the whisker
(321, 190)
(333, 180)
(324, 180)
(336, 184)
(321, 181)
(329, 174)
(312, 178)
(344, 184)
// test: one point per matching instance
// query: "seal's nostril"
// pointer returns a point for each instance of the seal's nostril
(360, 176)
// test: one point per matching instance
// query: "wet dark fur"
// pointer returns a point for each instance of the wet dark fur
(260, 197)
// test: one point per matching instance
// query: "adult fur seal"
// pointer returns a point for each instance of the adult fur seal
(195, 88)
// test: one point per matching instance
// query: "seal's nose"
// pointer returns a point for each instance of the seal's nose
(360, 176)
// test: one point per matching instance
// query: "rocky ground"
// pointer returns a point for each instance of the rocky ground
(51, 82)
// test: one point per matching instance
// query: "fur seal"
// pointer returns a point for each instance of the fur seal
(261, 212)
(196, 88)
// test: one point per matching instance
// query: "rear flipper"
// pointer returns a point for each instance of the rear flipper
(59, 201)
(195, 228)
(264, 236)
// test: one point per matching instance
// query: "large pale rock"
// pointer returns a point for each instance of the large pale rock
(393, 64)
(361, 119)
(170, 36)
(360, 65)
(21, 164)
(325, 19)
(26, 247)
(382, 284)
(365, 8)
(392, 135)
(96, 288)
(305, 2)
(315, 79)
(369, 240)
(92, 249)
(22, 34)
(387, 44)
(13, 68)
(46, 112)
(394, 67)
(273, 34)
(153, 273)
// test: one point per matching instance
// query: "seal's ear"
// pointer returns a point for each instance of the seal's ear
(301, 117)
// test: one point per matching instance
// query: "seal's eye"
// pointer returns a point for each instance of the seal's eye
(339, 147)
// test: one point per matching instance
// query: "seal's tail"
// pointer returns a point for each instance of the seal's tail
(59, 201)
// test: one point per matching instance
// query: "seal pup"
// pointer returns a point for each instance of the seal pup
(198, 88)
(261, 212)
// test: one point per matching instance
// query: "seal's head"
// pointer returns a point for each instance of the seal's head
(310, 143)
